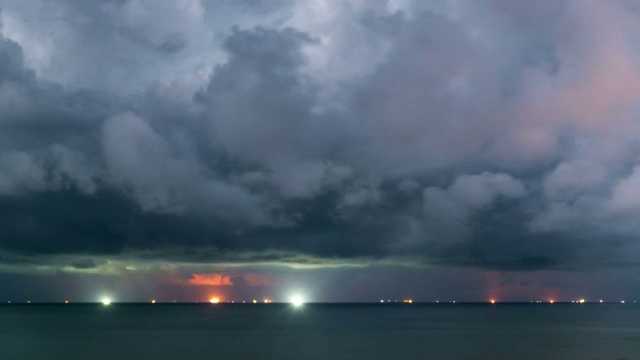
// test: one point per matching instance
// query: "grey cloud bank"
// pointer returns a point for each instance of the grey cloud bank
(496, 134)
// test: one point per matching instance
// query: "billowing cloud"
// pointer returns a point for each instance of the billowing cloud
(470, 193)
(496, 134)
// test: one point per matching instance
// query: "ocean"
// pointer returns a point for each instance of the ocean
(320, 331)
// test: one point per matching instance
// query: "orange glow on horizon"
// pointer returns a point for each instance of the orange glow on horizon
(210, 280)
(551, 301)
(493, 301)
(408, 301)
(214, 300)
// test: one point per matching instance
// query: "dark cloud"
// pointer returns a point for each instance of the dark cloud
(11, 63)
(84, 264)
(488, 134)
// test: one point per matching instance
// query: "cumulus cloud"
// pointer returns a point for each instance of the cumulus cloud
(20, 173)
(470, 193)
(625, 198)
(487, 133)
(56, 168)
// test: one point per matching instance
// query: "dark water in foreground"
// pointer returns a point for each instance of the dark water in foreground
(278, 331)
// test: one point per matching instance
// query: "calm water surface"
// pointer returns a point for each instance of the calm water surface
(278, 331)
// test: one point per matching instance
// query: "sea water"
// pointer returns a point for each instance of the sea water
(320, 331)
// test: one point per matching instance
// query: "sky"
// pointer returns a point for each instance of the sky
(343, 150)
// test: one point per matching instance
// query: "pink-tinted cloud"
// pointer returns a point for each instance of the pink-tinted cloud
(210, 280)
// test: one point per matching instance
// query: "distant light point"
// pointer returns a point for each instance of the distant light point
(581, 301)
(214, 300)
(153, 301)
(255, 301)
(493, 301)
(297, 300)
(601, 301)
(66, 301)
(106, 301)
(622, 301)
(551, 301)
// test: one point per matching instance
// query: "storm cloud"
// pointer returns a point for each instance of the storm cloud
(492, 134)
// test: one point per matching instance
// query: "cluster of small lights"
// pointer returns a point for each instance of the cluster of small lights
(406, 301)
(298, 300)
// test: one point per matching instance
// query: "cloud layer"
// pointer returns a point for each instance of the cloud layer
(498, 134)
